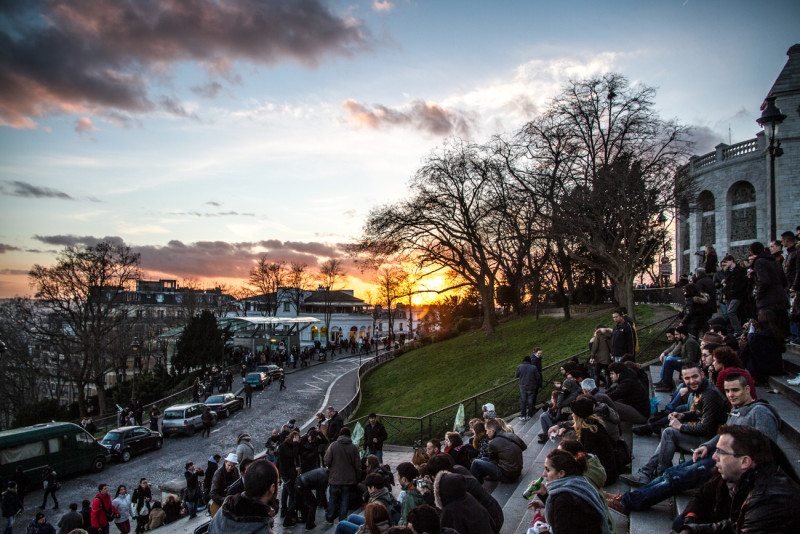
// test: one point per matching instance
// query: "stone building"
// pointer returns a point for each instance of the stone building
(733, 207)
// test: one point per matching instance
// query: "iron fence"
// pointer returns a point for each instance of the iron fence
(406, 430)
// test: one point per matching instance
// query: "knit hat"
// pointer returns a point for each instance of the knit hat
(243, 436)
(583, 407)
(588, 384)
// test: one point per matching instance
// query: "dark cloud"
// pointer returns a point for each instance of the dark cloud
(424, 116)
(704, 139)
(7, 248)
(99, 56)
(15, 272)
(208, 90)
(212, 259)
(26, 190)
(74, 240)
(170, 105)
(214, 203)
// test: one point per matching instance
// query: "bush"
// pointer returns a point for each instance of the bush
(464, 325)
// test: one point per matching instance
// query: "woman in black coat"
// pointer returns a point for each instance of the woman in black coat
(591, 433)
(288, 465)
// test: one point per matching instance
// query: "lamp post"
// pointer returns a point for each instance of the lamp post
(770, 118)
(135, 348)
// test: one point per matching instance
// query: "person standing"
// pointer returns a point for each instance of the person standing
(51, 486)
(122, 502)
(289, 467)
(622, 340)
(192, 475)
(155, 419)
(343, 471)
(223, 479)
(71, 520)
(12, 505)
(208, 419)
(249, 511)
(142, 497)
(529, 382)
(248, 395)
(283, 382)
(244, 449)
(600, 350)
(374, 436)
(335, 424)
(102, 510)
(211, 468)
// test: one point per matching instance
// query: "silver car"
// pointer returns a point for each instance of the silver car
(184, 419)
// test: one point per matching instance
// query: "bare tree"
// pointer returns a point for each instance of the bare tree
(330, 273)
(267, 277)
(83, 294)
(390, 281)
(297, 281)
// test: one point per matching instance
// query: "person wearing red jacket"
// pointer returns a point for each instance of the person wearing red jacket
(102, 510)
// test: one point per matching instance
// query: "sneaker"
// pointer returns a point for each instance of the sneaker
(794, 381)
(614, 502)
(635, 480)
(542, 438)
(642, 430)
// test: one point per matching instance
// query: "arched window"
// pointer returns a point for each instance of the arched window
(742, 199)
(708, 231)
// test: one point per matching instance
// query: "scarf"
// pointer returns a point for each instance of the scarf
(583, 489)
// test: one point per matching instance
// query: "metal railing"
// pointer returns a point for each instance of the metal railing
(406, 430)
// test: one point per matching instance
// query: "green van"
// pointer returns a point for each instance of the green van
(65, 447)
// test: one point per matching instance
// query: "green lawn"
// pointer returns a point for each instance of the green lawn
(440, 374)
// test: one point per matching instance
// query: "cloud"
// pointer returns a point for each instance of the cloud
(7, 248)
(26, 190)
(424, 116)
(214, 214)
(74, 240)
(15, 272)
(214, 203)
(208, 90)
(212, 259)
(84, 126)
(102, 56)
(704, 139)
(174, 107)
(382, 5)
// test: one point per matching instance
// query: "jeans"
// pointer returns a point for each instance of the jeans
(546, 420)
(527, 398)
(672, 440)
(671, 364)
(481, 469)
(675, 401)
(287, 497)
(376, 452)
(730, 311)
(52, 493)
(338, 502)
(671, 482)
(191, 505)
(9, 525)
(350, 525)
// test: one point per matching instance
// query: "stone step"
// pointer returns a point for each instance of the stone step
(786, 399)
(791, 360)
(510, 498)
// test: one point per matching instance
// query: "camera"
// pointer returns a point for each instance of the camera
(421, 483)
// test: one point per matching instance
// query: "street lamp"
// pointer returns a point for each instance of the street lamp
(135, 348)
(770, 118)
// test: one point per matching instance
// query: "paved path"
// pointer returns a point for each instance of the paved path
(309, 390)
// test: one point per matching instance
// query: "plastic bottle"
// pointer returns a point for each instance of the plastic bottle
(533, 487)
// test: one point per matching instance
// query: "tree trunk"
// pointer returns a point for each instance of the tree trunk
(102, 400)
(623, 291)
(487, 305)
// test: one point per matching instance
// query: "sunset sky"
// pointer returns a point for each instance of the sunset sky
(204, 134)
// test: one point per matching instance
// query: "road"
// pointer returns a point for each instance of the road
(305, 394)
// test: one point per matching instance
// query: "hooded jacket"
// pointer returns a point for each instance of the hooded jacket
(770, 291)
(343, 462)
(485, 498)
(244, 449)
(628, 390)
(759, 414)
(223, 479)
(460, 510)
(529, 377)
(241, 515)
(600, 346)
(505, 449)
(707, 412)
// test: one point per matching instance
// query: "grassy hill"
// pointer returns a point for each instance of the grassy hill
(440, 374)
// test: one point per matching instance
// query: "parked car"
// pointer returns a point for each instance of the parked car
(225, 404)
(127, 441)
(257, 379)
(273, 371)
(184, 419)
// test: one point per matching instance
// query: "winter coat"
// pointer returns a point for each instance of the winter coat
(40, 528)
(221, 482)
(791, 267)
(241, 515)
(485, 498)
(529, 377)
(374, 432)
(734, 285)
(288, 460)
(690, 350)
(574, 506)
(11, 503)
(770, 290)
(172, 511)
(707, 412)
(412, 499)
(628, 390)
(601, 346)
(335, 425)
(309, 453)
(69, 522)
(763, 354)
(344, 465)
(460, 510)
(765, 501)
(157, 518)
(245, 450)
(595, 472)
(505, 449)
(123, 505)
(622, 341)
(460, 454)
(697, 310)
(192, 485)
(758, 414)
(101, 507)
(706, 285)
(211, 468)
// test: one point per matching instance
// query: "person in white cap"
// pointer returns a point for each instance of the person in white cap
(223, 479)
(489, 411)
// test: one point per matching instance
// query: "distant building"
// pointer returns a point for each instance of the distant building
(732, 208)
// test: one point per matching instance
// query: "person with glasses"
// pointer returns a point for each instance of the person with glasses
(764, 497)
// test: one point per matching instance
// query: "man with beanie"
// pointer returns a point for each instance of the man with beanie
(529, 382)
